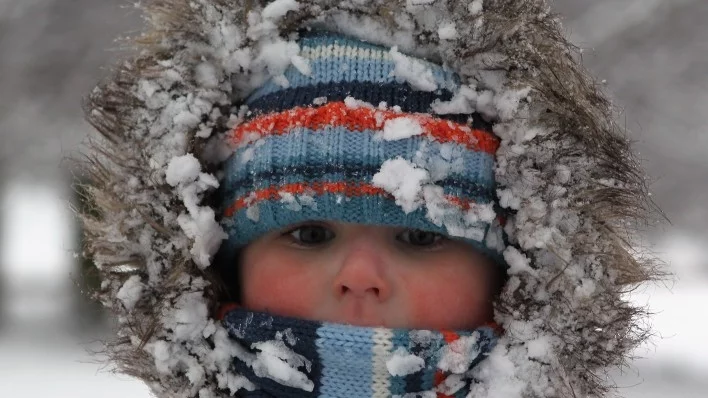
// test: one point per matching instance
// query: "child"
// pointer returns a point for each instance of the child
(424, 201)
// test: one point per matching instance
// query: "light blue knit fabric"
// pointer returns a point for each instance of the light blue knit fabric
(355, 350)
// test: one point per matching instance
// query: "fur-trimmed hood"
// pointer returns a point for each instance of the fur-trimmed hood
(564, 169)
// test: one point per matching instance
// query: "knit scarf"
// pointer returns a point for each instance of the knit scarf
(292, 357)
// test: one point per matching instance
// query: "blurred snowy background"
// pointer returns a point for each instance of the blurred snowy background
(653, 54)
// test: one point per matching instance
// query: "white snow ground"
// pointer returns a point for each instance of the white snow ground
(44, 366)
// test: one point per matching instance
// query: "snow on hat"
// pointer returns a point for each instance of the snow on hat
(346, 133)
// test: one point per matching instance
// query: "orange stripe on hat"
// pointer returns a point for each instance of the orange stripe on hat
(357, 119)
(319, 188)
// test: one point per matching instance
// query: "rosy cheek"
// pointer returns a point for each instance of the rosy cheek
(433, 309)
(449, 299)
(281, 290)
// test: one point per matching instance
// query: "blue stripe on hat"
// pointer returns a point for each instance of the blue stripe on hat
(368, 209)
(401, 95)
(337, 71)
(452, 186)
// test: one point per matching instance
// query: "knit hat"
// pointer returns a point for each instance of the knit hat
(348, 133)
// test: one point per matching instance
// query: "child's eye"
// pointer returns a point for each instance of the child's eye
(310, 235)
(421, 239)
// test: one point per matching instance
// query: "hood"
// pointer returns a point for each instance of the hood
(565, 172)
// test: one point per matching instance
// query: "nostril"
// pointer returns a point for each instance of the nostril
(345, 290)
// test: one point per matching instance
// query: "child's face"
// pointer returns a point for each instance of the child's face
(368, 276)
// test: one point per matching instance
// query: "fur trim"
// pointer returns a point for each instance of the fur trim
(564, 167)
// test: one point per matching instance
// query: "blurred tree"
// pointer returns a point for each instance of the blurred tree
(87, 280)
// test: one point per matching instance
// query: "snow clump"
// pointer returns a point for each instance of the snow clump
(412, 71)
(130, 292)
(403, 363)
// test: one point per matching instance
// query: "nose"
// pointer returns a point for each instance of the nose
(362, 274)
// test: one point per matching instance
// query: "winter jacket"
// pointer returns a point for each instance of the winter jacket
(574, 191)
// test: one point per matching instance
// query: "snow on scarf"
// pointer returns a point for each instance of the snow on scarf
(564, 170)
(291, 357)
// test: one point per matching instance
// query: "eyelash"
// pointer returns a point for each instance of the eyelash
(440, 240)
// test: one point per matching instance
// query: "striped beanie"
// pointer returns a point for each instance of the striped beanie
(348, 135)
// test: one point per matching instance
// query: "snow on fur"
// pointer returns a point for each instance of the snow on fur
(151, 169)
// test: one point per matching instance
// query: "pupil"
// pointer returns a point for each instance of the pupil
(422, 238)
(312, 234)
